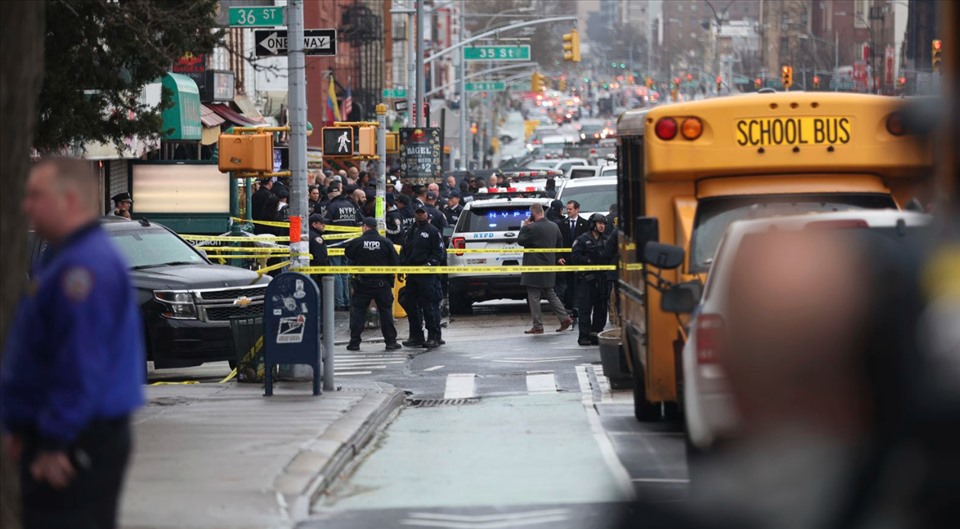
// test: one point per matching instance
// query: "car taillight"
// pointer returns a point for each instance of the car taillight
(459, 243)
(709, 330)
(666, 128)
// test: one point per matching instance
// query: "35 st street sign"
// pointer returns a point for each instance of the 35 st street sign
(497, 53)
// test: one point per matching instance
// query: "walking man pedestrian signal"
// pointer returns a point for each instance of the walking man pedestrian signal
(338, 141)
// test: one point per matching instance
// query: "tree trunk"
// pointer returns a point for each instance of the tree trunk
(21, 74)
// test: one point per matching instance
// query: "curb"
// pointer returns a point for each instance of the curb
(311, 473)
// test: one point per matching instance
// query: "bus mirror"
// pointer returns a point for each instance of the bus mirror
(647, 229)
(682, 298)
(664, 256)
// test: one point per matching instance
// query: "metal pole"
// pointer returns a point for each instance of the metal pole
(296, 72)
(411, 68)
(420, 80)
(462, 90)
(327, 356)
(382, 168)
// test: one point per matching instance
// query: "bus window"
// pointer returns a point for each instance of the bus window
(716, 213)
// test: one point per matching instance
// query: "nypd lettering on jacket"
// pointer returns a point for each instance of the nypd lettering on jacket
(372, 249)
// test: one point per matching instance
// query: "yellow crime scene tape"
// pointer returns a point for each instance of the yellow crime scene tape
(509, 269)
(248, 249)
(272, 268)
(277, 224)
(234, 238)
(508, 250)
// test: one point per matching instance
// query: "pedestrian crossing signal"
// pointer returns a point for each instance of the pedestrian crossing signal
(245, 152)
(338, 142)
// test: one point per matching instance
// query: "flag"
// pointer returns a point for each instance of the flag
(347, 104)
(333, 108)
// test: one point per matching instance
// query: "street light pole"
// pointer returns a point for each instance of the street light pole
(462, 90)
(298, 127)
(419, 110)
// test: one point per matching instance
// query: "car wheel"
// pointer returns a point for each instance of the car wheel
(461, 305)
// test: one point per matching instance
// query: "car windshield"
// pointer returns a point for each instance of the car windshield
(592, 198)
(493, 219)
(714, 215)
(154, 247)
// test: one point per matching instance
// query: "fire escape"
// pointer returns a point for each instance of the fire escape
(363, 29)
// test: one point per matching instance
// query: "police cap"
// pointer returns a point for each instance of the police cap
(370, 222)
(316, 217)
(121, 197)
(403, 199)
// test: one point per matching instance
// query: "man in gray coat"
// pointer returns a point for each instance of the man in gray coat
(538, 232)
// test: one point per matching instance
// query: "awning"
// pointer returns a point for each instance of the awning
(247, 108)
(210, 135)
(209, 118)
(181, 122)
(233, 116)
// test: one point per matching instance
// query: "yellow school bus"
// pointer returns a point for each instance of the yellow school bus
(687, 170)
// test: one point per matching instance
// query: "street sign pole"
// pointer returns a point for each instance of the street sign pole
(419, 110)
(296, 74)
(382, 169)
(464, 102)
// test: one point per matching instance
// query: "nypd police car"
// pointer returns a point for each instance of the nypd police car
(488, 224)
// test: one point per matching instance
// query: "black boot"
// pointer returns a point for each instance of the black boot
(584, 340)
(413, 342)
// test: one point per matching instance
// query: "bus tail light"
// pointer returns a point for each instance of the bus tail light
(459, 243)
(895, 124)
(691, 128)
(709, 329)
(666, 128)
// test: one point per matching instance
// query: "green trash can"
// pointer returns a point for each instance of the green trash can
(248, 344)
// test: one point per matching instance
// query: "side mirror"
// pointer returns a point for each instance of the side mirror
(646, 230)
(682, 298)
(664, 256)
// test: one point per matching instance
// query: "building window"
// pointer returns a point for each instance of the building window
(860, 13)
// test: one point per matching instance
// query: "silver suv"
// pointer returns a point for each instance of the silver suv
(488, 224)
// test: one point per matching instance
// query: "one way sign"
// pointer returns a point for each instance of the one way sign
(273, 42)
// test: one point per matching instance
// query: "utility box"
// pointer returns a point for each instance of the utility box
(246, 152)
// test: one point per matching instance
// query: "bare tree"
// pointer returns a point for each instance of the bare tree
(21, 71)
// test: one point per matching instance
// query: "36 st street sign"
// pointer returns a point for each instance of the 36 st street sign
(497, 53)
(273, 42)
(256, 17)
(486, 86)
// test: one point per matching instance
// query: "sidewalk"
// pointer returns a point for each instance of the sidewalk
(222, 455)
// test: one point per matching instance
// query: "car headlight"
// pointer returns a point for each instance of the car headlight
(179, 305)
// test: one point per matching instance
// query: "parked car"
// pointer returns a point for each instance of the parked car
(186, 300)
(595, 195)
(488, 224)
(706, 398)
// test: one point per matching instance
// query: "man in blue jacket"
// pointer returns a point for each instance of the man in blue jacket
(73, 369)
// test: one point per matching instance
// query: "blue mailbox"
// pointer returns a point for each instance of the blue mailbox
(291, 320)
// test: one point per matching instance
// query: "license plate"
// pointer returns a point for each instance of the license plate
(764, 132)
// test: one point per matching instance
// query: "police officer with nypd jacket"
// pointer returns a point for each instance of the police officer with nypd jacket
(422, 294)
(372, 249)
(591, 286)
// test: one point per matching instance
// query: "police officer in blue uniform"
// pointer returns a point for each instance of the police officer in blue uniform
(422, 294)
(591, 286)
(372, 249)
(400, 220)
(74, 362)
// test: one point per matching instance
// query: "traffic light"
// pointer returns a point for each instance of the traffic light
(367, 141)
(757, 83)
(571, 46)
(816, 82)
(786, 74)
(936, 49)
(246, 152)
(562, 84)
(902, 81)
(537, 82)
(649, 82)
(719, 83)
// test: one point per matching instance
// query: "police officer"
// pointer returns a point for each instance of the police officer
(74, 366)
(343, 211)
(318, 249)
(438, 219)
(423, 247)
(454, 208)
(372, 249)
(122, 202)
(400, 220)
(591, 286)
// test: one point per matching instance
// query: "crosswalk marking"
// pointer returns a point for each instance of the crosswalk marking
(359, 363)
(434, 368)
(541, 382)
(460, 386)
